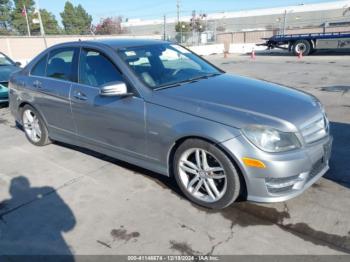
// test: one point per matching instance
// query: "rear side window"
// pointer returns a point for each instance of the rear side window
(95, 69)
(40, 68)
(61, 64)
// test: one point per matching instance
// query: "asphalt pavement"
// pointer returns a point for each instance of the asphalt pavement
(60, 199)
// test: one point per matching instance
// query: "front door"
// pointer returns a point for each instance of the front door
(116, 123)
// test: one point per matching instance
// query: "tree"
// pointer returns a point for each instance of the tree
(109, 26)
(182, 27)
(76, 20)
(18, 20)
(84, 20)
(5, 14)
(69, 19)
(198, 25)
(50, 23)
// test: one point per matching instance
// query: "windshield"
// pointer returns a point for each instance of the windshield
(4, 61)
(165, 65)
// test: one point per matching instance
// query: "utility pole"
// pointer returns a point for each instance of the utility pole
(42, 30)
(24, 12)
(285, 22)
(193, 23)
(178, 10)
(164, 28)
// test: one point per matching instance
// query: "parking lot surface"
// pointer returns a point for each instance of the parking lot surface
(63, 200)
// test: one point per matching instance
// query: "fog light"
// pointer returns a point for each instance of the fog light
(283, 184)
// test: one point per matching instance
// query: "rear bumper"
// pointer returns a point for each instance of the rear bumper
(286, 175)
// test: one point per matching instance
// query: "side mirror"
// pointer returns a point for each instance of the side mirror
(114, 89)
(18, 64)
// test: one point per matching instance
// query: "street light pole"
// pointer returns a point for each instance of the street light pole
(42, 30)
(26, 15)
(164, 29)
(178, 10)
(285, 22)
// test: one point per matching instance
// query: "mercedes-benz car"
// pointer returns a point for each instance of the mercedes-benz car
(7, 67)
(158, 105)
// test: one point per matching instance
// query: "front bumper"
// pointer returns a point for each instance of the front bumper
(286, 175)
(4, 96)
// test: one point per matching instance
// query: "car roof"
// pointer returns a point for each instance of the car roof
(113, 43)
(129, 42)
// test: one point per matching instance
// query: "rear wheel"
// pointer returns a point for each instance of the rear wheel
(205, 174)
(34, 127)
(302, 46)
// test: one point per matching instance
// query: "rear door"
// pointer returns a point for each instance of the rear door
(116, 123)
(52, 79)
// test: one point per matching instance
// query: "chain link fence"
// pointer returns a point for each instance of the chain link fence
(252, 29)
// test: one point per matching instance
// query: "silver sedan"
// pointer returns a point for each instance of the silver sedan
(158, 105)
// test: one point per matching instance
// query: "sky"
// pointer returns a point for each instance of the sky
(155, 9)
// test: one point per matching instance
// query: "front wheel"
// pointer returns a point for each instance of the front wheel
(302, 46)
(34, 126)
(205, 174)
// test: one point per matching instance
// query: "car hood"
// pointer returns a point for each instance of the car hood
(6, 71)
(239, 101)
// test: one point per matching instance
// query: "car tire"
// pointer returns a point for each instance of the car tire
(302, 45)
(225, 177)
(34, 126)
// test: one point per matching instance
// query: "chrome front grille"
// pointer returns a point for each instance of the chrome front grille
(315, 129)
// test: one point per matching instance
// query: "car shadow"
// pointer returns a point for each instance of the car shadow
(4, 105)
(317, 53)
(339, 170)
(32, 222)
(336, 89)
(163, 181)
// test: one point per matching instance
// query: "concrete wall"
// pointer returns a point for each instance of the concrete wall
(297, 17)
(23, 49)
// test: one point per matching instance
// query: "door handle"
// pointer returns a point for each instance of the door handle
(80, 96)
(37, 84)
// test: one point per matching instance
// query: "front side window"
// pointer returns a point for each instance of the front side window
(60, 64)
(40, 68)
(5, 61)
(163, 65)
(95, 69)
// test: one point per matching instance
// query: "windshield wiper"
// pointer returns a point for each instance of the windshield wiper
(191, 80)
(206, 76)
(168, 86)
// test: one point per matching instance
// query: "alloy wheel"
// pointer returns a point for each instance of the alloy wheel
(202, 175)
(31, 125)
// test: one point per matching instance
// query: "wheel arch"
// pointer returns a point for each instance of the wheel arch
(23, 104)
(181, 140)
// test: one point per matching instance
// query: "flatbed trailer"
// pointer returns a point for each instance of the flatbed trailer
(308, 43)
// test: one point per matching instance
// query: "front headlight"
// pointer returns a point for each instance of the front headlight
(270, 139)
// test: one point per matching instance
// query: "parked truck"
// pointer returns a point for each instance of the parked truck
(308, 43)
